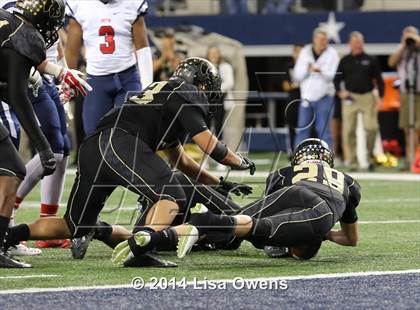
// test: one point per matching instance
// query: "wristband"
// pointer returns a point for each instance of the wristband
(219, 152)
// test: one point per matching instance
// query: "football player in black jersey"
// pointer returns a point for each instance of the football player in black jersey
(24, 36)
(22, 45)
(123, 149)
(302, 204)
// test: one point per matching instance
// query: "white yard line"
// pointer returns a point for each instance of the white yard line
(30, 276)
(291, 278)
(357, 175)
(390, 222)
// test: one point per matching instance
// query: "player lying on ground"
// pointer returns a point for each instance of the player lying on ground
(215, 198)
(122, 152)
(303, 203)
(24, 35)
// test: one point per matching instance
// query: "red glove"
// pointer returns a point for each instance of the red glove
(71, 80)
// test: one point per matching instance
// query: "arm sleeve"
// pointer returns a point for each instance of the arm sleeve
(329, 68)
(18, 99)
(228, 80)
(377, 75)
(300, 71)
(350, 215)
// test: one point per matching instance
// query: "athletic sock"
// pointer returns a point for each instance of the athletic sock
(208, 221)
(4, 223)
(16, 234)
(48, 210)
(259, 232)
(165, 240)
(52, 185)
(34, 173)
(103, 232)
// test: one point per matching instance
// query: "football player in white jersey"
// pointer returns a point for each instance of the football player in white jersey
(118, 55)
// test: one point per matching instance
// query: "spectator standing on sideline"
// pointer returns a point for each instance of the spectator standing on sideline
(315, 71)
(357, 76)
(294, 94)
(407, 61)
(167, 58)
(232, 7)
(228, 82)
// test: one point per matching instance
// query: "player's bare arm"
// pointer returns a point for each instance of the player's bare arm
(74, 43)
(143, 52)
(348, 235)
(179, 159)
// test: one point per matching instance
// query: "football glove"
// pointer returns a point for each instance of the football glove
(226, 187)
(48, 162)
(71, 80)
(245, 164)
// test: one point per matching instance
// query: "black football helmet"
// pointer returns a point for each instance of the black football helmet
(47, 16)
(313, 150)
(203, 74)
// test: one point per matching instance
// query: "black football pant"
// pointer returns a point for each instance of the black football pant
(114, 158)
(291, 216)
(10, 162)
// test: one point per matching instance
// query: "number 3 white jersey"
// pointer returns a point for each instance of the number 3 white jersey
(107, 32)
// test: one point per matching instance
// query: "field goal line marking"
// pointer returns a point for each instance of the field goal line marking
(303, 277)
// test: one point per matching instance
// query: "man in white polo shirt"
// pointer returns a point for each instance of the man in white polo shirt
(315, 70)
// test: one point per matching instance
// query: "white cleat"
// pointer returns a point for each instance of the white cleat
(23, 250)
(186, 241)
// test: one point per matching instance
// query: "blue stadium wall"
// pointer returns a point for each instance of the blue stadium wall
(289, 28)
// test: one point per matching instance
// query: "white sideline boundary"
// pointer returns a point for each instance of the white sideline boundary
(289, 278)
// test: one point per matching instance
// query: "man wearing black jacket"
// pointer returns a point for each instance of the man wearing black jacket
(357, 76)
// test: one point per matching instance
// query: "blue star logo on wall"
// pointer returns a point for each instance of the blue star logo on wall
(332, 28)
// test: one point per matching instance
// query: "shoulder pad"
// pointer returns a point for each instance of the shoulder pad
(28, 42)
(190, 94)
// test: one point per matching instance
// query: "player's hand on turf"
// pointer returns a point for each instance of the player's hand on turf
(226, 187)
(245, 164)
(35, 81)
(71, 79)
(48, 162)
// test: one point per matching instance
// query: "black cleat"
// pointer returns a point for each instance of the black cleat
(277, 252)
(80, 245)
(148, 260)
(7, 261)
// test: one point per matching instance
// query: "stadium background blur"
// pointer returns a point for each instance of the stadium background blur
(260, 55)
(257, 39)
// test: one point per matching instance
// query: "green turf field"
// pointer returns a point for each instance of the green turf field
(389, 240)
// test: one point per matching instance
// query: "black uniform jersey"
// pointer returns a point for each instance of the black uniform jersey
(21, 46)
(339, 190)
(162, 114)
(21, 37)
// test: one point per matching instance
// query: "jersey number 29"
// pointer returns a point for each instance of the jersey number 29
(109, 46)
